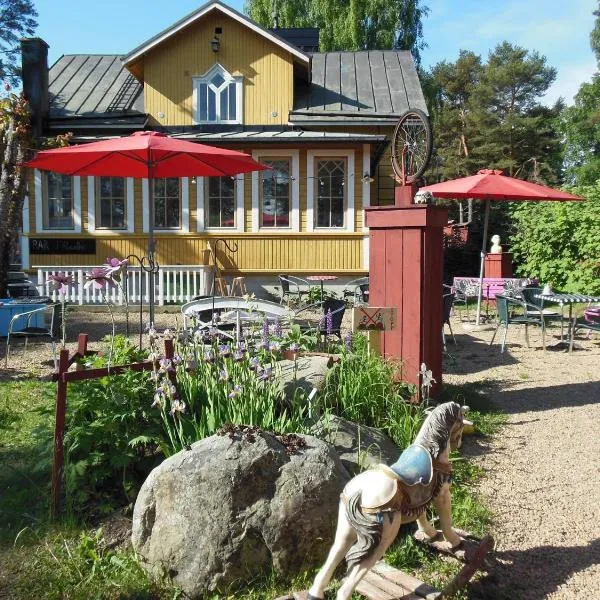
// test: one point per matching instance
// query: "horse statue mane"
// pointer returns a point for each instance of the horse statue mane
(435, 431)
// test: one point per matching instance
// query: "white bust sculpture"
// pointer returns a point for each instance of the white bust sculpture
(496, 247)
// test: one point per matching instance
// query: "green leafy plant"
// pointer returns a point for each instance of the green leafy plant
(361, 388)
(557, 242)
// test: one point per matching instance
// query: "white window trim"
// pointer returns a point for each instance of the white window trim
(295, 199)
(311, 155)
(239, 92)
(184, 190)
(39, 205)
(201, 207)
(24, 238)
(130, 215)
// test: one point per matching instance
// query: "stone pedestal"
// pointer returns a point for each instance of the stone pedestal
(406, 272)
(498, 265)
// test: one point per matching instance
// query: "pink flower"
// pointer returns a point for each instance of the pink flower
(60, 282)
(114, 264)
(100, 277)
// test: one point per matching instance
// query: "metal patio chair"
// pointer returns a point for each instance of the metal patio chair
(358, 291)
(448, 303)
(293, 287)
(506, 318)
(50, 329)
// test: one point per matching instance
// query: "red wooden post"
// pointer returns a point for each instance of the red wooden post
(406, 272)
(498, 265)
(82, 342)
(59, 431)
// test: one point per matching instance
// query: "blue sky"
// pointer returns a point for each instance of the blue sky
(557, 29)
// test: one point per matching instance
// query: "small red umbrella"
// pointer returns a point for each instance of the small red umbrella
(146, 154)
(493, 185)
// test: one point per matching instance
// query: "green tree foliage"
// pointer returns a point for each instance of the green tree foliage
(595, 35)
(580, 124)
(558, 241)
(17, 20)
(349, 24)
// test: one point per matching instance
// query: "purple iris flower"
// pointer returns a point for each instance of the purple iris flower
(100, 277)
(224, 350)
(254, 363)
(237, 390)
(348, 340)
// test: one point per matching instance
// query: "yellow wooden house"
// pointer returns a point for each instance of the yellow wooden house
(322, 121)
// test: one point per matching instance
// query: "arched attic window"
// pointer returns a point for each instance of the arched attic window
(217, 97)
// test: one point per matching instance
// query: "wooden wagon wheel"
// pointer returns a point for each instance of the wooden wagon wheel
(411, 146)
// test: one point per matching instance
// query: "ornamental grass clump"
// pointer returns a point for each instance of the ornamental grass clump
(361, 388)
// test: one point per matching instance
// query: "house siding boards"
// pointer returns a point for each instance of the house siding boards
(266, 68)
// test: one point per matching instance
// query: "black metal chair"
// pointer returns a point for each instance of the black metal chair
(506, 318)
(292, 286)
(50, 329)
(448, 302)
(337, 308)
(357, 290)
(529, 295)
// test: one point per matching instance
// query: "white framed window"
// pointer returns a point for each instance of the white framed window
(57, 202)
(276, 192)
(170, 210)
(220, 208)
(166, 213)
(217, 97)
(111, 205)
(330, 190)
(220, 203)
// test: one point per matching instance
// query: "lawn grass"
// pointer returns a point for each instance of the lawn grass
(66, 560)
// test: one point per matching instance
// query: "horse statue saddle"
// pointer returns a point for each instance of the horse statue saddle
(406, 486)
(414, 466)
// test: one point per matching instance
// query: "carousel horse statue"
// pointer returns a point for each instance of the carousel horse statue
(376, 502)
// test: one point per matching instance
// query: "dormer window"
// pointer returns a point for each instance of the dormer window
(217, 97)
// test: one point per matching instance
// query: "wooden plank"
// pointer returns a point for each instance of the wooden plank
(405, 580)
(390, 587)
(372, 592)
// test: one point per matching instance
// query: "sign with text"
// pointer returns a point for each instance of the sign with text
(62, 246)
(372, 318)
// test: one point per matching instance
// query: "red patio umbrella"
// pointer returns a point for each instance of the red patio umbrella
(492, 185)
(146, 154)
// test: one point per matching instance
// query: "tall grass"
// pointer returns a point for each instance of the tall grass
(361, 388)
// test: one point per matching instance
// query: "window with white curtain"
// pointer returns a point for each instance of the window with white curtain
(58, 201)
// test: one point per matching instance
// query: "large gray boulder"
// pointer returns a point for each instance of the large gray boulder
(234, 506)
(358, 446)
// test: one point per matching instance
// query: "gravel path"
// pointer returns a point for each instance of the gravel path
(543, 470)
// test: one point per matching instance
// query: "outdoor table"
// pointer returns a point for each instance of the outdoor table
(321, 278)
(569, 299)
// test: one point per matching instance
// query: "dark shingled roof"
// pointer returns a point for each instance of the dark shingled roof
(365, 85)
(93, 85)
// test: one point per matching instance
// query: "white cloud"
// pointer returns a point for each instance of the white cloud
(569, 79)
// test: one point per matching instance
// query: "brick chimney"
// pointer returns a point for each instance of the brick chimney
(34, 61)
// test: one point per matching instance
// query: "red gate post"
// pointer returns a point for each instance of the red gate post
(406, 266)
(59, 431)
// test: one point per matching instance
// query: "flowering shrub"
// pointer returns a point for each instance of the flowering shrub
(211, 382)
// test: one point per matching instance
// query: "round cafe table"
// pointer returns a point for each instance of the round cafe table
(321, 278)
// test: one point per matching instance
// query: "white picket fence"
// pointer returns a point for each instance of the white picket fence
(173, 284)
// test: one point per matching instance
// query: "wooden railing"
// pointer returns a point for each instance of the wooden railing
(173, 285)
